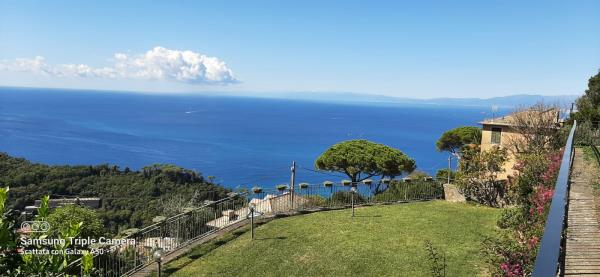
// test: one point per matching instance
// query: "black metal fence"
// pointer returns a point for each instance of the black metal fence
(330, 195)
(548, 261)
(169, 235)
(596, 153)
(181, 230)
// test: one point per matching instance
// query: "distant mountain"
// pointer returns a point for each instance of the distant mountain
(510, 101)
(507, 101)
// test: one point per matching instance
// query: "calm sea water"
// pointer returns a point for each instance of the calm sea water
(240, 141)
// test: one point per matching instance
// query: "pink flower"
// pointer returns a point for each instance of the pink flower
(533, 241)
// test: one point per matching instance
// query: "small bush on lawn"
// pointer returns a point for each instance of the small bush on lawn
(315, 201)
(403, 191)
(345, 198)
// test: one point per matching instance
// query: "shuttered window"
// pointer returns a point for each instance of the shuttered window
(496, 135)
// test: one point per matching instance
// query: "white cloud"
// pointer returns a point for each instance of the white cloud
(156, 64)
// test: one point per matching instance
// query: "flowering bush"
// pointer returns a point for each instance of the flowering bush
(532, 188)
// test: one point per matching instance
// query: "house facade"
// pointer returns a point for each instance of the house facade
(501, 131)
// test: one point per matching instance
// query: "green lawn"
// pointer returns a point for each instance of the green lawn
(379, 241)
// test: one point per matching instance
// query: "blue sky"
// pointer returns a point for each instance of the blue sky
(414, 49)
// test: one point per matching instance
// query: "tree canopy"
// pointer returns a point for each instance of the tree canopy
(74, 214)
(588, 105)
(363, 159)
(130, 198)
(453, 140)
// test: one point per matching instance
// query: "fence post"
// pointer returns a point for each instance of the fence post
(449, 167)
(292, 181)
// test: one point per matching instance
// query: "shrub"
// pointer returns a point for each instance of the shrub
(587, 134)
(442, 175)
(282, 187)
(73, 214)
(510, 218)
(315, 201)
(507, 257)
(404, 191)
(345, 198)
(514, 253)
(417, 175)
(478, 176)
(437, 261)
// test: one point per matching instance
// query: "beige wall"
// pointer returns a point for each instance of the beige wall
(508, 134)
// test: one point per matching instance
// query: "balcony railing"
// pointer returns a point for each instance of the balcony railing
(549, 258)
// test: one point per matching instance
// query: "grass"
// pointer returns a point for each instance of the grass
(200, 251)
(589, 156)
(380, 241)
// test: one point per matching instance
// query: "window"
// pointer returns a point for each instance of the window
(496, 135)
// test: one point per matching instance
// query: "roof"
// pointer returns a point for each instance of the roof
(91, 202)
(511, 119)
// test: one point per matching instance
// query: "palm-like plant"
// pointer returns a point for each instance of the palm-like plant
(282, 187)
(328, 184)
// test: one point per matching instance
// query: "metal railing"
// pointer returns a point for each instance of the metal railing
(169, 235)
(328, 195)
(184, 229)
(596, 153)
(548, 261)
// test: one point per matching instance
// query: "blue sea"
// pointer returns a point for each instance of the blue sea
(241, 141)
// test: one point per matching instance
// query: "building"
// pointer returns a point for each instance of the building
(90, 202)
(504, 131)
(270, 204)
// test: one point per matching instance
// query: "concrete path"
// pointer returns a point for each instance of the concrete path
(583, 230)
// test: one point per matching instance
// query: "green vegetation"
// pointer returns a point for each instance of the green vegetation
(454, 140)
(28, 263)
(418, 175)
(386, 240)
(203, 249)
(407, 191)
(588, 105)
(362, 159)
(73, 214)
(442, 174)
(514, 250)
(590, 157)
(341, 198)
(129, 198)
(477, 177)
(588, 133)
(9, 258)
(49, 264)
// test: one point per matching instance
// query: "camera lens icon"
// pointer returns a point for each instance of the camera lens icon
(35, 226)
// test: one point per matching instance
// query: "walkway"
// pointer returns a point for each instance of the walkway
(583, 231)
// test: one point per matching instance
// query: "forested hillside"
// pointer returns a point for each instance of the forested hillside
(129, 198)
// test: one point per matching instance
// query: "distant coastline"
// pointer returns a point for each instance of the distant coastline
(509, 101)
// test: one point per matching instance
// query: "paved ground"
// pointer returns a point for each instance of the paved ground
(583, 231)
